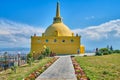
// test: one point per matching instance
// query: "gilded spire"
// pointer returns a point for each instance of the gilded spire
(57, 18)
(58, 10)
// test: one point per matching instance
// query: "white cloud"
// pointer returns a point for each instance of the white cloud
(89, 18)
(105, 30)
(16, 34)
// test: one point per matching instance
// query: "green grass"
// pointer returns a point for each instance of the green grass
(105, 67)
(23, 71)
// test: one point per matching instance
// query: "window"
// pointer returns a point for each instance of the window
(63, 40)
(72, 40)
(46, 40)
(55, 40)
(38, 41)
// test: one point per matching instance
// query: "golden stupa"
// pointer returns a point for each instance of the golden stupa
(58, 38)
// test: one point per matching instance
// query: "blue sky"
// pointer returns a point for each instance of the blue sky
(98, 21)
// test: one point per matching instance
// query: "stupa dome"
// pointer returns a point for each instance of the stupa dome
(58, 28)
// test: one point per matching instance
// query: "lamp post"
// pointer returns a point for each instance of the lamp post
(5, 57)
(18, 59)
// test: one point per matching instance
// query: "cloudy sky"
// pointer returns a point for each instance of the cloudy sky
(97, 21)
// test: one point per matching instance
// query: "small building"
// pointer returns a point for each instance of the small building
(58, 38)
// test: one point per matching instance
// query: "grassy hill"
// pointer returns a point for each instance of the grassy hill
(105, 67)
(23, 71)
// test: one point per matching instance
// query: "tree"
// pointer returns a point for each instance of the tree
(29, 61)
(40, 57)
(98, 53)
(111, 48)
(29, 58)
(116, 51)
(104, 51)
(30, 55)
(47, 50)
(97, 50)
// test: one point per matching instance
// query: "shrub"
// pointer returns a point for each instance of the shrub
(103, 50)
(105, 53)
(29, 61)
(110, 52)
(98, 53)
(29, 55)
(116, 51)
(29, 58)
(46, 52)
(41, 57)
(85, 55)
(14, 68)
(105, 72)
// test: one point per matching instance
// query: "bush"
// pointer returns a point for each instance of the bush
(116, 51)
(29, 61)
(13, 68)
(29, 58)
(40, 57)
(98, 53)
(103, 50)
(46, 52)
(105, 53)
(29, 55)
(110, 52)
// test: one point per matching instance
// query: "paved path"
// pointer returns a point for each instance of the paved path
(62, 69)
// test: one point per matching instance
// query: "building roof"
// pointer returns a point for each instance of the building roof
(58, 28)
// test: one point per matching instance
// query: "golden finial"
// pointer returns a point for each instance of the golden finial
(58, 10)
(57, 18)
